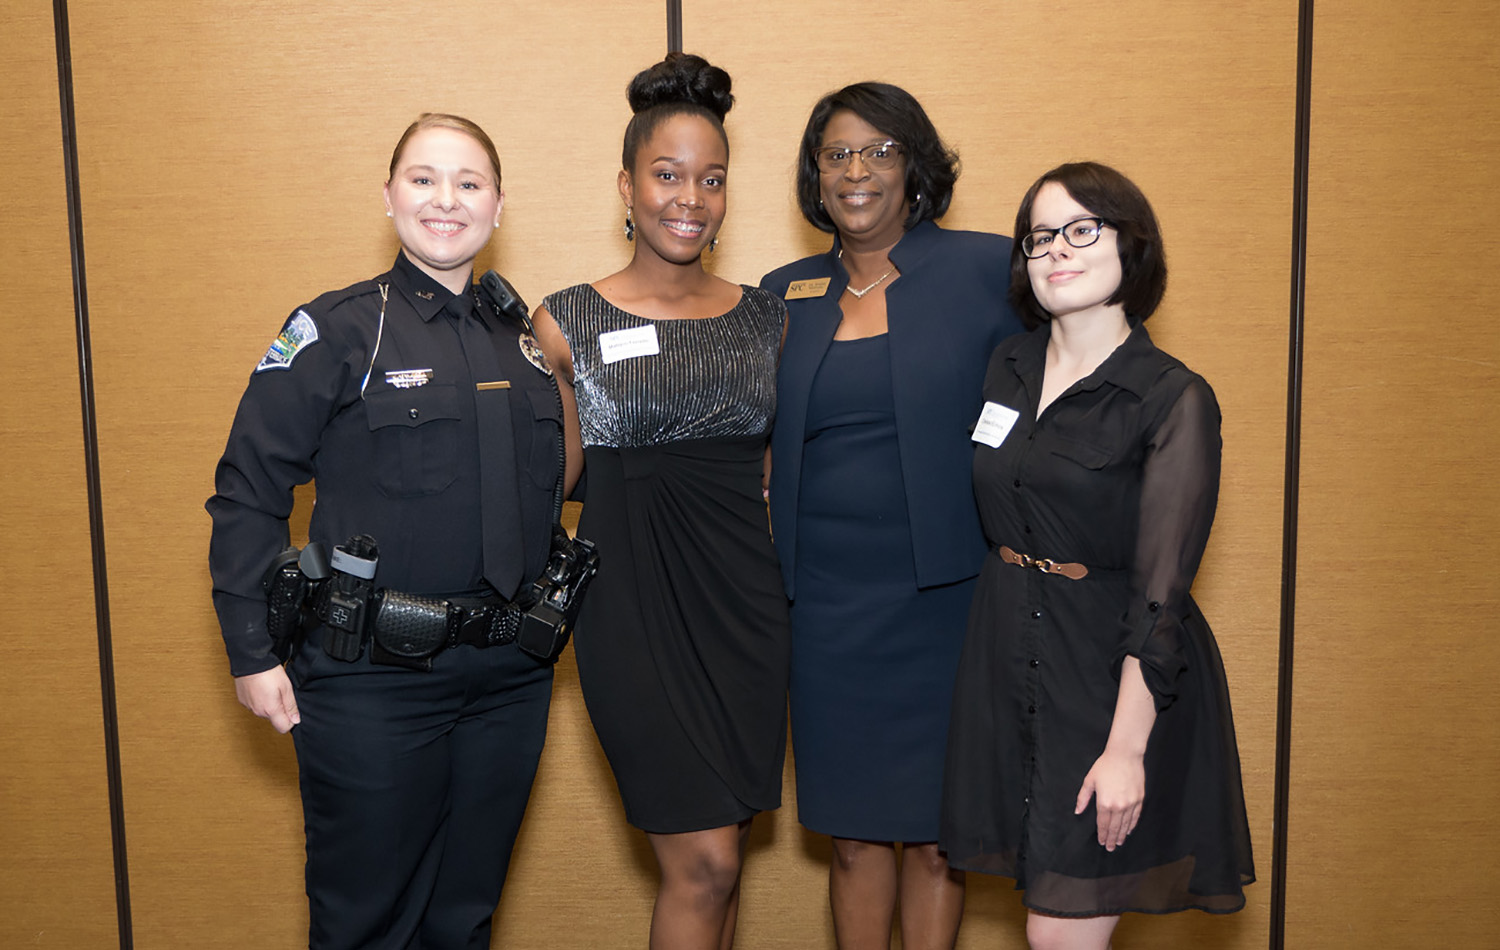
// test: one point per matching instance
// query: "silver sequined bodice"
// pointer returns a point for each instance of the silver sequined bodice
(713, 377)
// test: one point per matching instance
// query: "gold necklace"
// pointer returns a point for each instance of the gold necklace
(859, 294)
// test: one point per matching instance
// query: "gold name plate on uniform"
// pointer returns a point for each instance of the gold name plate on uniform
(498, 384)
(801, 289)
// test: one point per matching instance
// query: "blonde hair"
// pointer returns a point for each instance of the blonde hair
(443, 120)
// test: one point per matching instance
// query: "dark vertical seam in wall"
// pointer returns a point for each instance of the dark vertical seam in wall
(1290, 492)
(91, 468)
(674, 26)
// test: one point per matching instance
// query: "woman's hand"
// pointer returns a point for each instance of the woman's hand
(269, 696)
(1117, 782)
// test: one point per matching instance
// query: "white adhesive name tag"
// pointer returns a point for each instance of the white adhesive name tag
(619, 345)
(994, 424)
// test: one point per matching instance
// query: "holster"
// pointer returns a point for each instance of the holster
(286, 590)
(409, 629)
(557, 596)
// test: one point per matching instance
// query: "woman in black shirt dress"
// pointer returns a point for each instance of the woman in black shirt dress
(1092, 755)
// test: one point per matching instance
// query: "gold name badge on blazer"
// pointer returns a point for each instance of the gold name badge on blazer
(801, 289)
(497, 384)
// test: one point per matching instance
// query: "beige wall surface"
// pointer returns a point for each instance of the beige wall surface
(1395, 750)
(57, 877)
(231, 157)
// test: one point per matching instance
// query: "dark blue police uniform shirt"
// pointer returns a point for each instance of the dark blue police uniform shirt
(398, 461)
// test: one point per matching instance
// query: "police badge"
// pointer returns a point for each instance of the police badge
(533, 353)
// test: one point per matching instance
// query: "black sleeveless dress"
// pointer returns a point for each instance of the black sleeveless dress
(683, 645)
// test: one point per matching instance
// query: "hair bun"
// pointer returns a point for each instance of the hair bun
(681, 78)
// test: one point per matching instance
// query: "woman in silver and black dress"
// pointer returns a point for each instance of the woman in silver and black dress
(683, 645)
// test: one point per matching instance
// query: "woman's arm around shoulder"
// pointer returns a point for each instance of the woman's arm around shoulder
(560, 358)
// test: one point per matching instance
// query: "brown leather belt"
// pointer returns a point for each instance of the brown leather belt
(1071, 570)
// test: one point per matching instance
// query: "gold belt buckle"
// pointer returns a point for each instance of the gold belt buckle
(1042, 564)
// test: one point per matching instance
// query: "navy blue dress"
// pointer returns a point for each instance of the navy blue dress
(872, 508)
(874, 656)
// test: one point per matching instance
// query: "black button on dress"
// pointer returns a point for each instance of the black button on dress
(1120, 474)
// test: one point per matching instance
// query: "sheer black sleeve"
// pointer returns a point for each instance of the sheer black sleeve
(1179, 492)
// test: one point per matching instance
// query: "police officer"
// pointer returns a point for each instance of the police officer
(433, 426)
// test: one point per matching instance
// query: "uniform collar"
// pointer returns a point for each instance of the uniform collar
(1133, 365)
(427, 297)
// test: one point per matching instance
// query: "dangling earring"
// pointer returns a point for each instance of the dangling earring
(629, 226)
(713, 244)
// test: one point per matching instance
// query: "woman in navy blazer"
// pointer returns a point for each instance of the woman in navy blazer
(872, 505)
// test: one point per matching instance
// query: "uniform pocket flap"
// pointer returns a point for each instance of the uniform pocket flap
(545, 405)
(411, 407)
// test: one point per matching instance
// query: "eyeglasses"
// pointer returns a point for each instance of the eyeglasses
(1080, 233)
(879, 157)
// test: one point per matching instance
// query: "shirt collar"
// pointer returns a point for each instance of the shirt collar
(427, 297)
(1133, 364)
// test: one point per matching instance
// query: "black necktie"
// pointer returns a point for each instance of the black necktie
(499, 506)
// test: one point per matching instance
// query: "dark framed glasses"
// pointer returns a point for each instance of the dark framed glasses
(1080, 233)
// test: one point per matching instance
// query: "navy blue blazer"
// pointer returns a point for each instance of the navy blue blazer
(947, 312)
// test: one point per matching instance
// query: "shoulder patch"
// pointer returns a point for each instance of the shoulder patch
(299, 333)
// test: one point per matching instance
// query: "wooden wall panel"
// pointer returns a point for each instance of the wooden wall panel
(1395, 752)
(232, 158)
(57, 878)
(1196, 103)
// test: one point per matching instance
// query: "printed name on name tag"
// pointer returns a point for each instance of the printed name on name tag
(994, 424)
(619, 345)
(812, 287)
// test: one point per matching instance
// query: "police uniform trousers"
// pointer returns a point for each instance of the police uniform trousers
(413, 789)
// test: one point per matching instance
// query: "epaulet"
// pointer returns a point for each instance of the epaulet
(308, 324)
(331, 301)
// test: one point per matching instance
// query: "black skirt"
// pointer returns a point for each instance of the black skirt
(683, 646)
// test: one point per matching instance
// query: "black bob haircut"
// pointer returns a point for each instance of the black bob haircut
(931, 166)
(1115, 198)
(681, 83)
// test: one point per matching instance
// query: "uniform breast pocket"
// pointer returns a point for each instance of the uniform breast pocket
(416, 433)
(542, 461)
